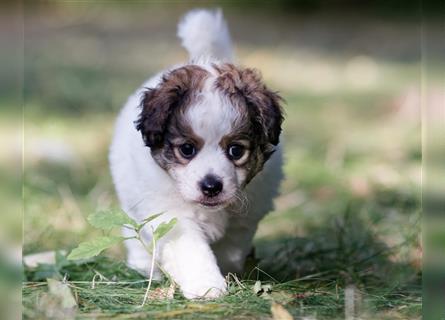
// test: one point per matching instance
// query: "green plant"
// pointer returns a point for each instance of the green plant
(108, 220)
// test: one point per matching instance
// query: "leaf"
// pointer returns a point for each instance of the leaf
(57, 303)
(267, 288)
(279, 312)
(107, 220)
(162, 293)
(257, 287)
(150, 218)
(163, 228)
(63, 292)
(92, 248)
(147, 220)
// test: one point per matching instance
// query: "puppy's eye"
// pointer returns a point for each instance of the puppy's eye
(187, 150)
(235, 151)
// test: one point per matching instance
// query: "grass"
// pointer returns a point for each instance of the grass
(347, 219)
(318, 295)
(308, 277)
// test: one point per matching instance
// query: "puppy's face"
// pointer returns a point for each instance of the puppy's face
(211, 130)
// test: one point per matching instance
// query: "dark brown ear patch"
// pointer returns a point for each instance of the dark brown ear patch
(177, 89)
(245, 87)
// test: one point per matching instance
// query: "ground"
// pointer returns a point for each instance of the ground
(346, 228)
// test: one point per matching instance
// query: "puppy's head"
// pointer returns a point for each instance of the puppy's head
(212, 129)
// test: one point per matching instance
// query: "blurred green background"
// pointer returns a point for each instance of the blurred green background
(351, 77)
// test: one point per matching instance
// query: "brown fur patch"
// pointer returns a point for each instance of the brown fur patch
(177, 89)
(177, 133)
(261, 110)
(161, 119)
(244, 87)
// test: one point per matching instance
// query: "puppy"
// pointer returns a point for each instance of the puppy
(199, 142)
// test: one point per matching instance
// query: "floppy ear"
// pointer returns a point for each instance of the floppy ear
(263, 105)
(159, 103)
(267, 110)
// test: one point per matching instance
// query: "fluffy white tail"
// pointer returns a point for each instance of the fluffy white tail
(204, 34)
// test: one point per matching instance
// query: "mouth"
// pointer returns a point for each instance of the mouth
(211, 204)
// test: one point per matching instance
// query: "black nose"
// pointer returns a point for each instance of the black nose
(211, 185)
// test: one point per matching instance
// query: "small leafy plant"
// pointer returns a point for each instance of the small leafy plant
(108, 220)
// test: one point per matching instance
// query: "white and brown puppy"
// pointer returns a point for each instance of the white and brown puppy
(199, 142)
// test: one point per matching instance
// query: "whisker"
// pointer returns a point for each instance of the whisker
(240, 207)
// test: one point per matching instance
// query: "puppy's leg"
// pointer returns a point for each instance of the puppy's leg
(231, 251)
(188, 259)
(137, 256)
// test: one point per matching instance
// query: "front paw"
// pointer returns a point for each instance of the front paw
(205, 288)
